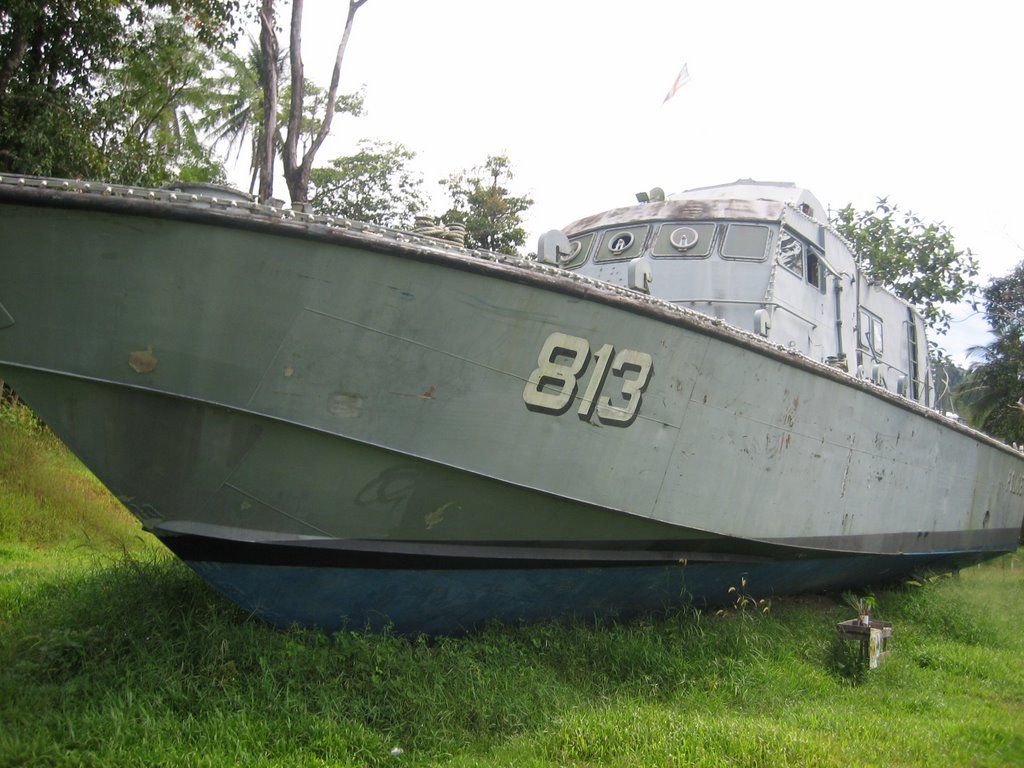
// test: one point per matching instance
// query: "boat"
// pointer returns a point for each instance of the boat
(349, 427)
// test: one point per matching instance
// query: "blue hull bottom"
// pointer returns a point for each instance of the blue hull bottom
(453, 601)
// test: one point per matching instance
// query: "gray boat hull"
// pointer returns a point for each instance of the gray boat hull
(345, 427)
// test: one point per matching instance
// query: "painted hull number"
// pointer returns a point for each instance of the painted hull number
(562, 366)
(1015, 483)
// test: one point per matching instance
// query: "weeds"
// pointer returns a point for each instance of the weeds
(16, 414)
(745, 604)
(846, 661)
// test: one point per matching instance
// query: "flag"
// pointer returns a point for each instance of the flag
(681, 79)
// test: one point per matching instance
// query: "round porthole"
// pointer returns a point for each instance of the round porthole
(620, 242)
(575, 247)
(683, 238)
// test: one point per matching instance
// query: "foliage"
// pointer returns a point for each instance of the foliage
(96, 88)
(49, 53)
(864, 605)
(373, 185)
(482, 202)
(991, 397)
(212, 22)
(314, 106)
(151, 136)
(919, 261)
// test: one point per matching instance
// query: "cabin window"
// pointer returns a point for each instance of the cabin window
(622, 244)
(871, 332)
(745, 241)
(684, 239)
(579, 250)
(815, 270)
(802, 259)
(791, 253)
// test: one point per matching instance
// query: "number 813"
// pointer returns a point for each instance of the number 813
(562, 363)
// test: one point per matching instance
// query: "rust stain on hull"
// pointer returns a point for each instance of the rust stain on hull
(143, 361)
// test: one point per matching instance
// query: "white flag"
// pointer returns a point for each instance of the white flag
(681, 79)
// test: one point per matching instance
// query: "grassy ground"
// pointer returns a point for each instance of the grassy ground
(112, 653)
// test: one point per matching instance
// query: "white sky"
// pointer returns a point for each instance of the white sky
(919, 101)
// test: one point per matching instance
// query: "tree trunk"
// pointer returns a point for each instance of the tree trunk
(297, 171)
(19, 47)
(298, 187)
(268, 48)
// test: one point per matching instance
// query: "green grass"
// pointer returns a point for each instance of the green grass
(113, 653)
(48, 499)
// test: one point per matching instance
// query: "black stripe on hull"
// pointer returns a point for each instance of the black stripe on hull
(471, 556)
(405, 555)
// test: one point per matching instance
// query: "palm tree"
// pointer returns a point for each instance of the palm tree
(991, 396)
(248, 94)
(236, 109)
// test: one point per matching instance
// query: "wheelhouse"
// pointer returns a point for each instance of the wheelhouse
(760, 257)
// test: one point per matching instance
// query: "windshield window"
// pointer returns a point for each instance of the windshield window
(745, 241)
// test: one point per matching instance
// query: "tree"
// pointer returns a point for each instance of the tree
(65, 108)
(482, 202)
(991, 397)
(372, 185)
(149, 99)
(305, 131)
(919, 261)
(49, 52)
(236, 111)
(266, 148)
